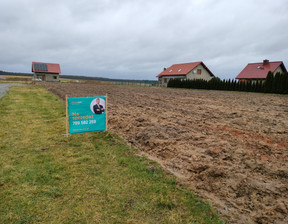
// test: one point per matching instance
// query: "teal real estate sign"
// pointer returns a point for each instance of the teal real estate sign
(86, 114)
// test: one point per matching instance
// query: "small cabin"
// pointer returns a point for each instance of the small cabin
(48, 72)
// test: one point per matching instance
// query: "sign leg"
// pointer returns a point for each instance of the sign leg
(67, 117)
(106, 112)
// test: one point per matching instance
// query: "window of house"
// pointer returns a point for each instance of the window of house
(55, 77)
(165, 80)
(199, 71)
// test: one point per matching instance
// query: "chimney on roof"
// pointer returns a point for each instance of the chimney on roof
(164, 69)
(265, 62)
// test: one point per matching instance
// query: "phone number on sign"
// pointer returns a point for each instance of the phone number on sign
(84, 122)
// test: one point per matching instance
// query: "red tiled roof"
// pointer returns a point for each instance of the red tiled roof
(259, 70)
(51, 68)
(182, 69)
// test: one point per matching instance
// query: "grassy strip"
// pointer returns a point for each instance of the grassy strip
(86, 178)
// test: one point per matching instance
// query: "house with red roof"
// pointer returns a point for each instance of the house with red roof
(258, 71)
(193, 70)
(48, 72)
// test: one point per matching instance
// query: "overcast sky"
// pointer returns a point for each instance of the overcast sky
(135, 39)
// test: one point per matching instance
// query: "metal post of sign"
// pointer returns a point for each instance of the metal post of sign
(67, 117)
(106, 112)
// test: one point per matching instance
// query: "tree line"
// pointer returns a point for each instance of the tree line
(15, 73)
(277, 83)
(78, 77)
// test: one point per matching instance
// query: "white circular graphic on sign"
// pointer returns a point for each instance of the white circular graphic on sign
(97, 106)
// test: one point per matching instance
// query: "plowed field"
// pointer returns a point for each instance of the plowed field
(230, 147)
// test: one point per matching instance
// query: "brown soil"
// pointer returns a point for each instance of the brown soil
(230, 147)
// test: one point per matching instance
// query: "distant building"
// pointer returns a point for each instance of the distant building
(46, 71)
(258, 71)
(194, 70)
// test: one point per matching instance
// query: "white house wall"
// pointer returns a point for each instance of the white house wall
(161, 80)
(279, 69)
(204, 74)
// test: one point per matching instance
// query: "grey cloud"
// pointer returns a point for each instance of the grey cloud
(136, 39)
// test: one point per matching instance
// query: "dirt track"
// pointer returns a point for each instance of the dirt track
(4, 87)
(231, 147)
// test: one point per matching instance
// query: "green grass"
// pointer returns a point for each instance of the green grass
(46, 177)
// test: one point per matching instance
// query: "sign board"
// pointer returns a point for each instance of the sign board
(86, 114)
